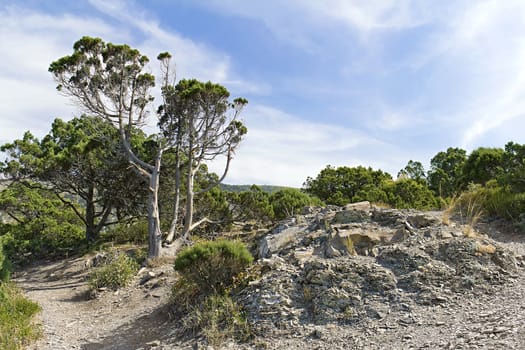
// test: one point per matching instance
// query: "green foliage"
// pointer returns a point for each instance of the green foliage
(498, 201)
(413, 170)
(17, 327)
(219, 318)
(135, 232)
(514, 167)
(411, 194)
(252, 204)
(289, 202)
(446, 170)
(118, 272)
(343, 185)
(213, 204)
(482, 165)
(211, 266)
(5, 264)
(83, 163)
(40, 227)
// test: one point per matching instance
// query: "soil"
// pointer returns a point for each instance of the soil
(138, 316)
(130, 318)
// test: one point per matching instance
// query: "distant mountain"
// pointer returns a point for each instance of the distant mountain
(242, 188)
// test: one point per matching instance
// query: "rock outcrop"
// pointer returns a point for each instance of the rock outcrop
(356, 264)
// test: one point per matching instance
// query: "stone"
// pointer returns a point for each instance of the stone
(350, 216)
(362, 206)
(400, 235)
(282, 237)
(147, 277)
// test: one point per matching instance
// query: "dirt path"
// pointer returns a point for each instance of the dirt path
(127, 319)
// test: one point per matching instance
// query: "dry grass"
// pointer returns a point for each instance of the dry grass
(467, 209)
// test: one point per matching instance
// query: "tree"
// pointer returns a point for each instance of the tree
(413, 170)
(39, 225)
(514, 167)
(253, 204)
(445, 171)
(81, 159)
(483, 164)
(343, 185)
(410, 194)
(108, 81)
(289, 201)
(202, 123)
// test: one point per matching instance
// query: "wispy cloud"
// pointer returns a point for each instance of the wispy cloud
(283, 149)
(31, 40)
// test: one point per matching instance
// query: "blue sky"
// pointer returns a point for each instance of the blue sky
(340, 82)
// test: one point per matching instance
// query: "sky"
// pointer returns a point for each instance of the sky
(374, 83)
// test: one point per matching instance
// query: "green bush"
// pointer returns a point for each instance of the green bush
(212, 265)
(5, 265)
(136, 233)
(219, 318)
(45, 227)
(117, 273)
(17, 328)
(289, 202)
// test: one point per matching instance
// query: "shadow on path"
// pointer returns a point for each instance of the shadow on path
(138, 333)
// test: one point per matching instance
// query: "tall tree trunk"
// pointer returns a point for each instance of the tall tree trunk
(188, 219)
(175, 218)
(154, 232)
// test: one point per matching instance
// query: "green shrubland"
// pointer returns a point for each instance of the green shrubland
(17, 326)
(208, 270)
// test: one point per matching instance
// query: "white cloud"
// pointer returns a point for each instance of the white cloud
(32, 40)
(485, 43)
(282, 149)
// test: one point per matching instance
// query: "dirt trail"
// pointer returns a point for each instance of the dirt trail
(127, 319)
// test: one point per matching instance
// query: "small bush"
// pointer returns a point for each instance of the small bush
(17, 328)
(219, 318)
(212, 265)
(117, 273)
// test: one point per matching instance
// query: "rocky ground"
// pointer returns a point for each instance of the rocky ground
(333, 278)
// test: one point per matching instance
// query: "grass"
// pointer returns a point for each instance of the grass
(468, 209)
(118, 272)
(218, 318)
(17, 326)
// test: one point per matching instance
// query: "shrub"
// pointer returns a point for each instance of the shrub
(219, 318)
(212, 265)
(17, 328)
(289, 201)
(117, 273)
(5, 265)
(135, 232)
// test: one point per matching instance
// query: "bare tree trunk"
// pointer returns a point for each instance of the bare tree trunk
(188, 219)
(154, 231)
(173, 226)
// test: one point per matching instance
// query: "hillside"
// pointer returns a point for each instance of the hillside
(333, 278)
(242, 188)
